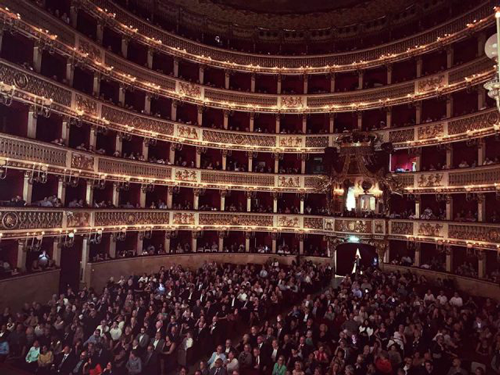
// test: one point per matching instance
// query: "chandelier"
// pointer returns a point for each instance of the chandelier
(491, 48)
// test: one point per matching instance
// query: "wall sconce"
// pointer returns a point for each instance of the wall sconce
(147, 187)
(70, 178)
(34, 243)
(99, 183)
(95, 238)
(119, 236)
(6, 93)
(68, 239)
(42, 106)
(123, 186)
(147, 234)
(125, 136)
(3, 168)
(37, 174)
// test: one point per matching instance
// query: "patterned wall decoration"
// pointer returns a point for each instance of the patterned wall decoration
(126, 167)
(82, 161)
(30, 219)
(475, 122)
(85, 104)
(117, 218)
(186, 175)
(86, 46)
(242, 179)
(317, 141)
(183, 218)
(243, 220)
(288, 222)
(431, 83)
(430, 131)
(430, 229)
(356, 226)
(399, 136)
(405, 179)
(480, 176)
(430, 180)
(19, 149)
(402, 227)
(313, 222)
(290, 141)
(187, 132)
(292, 101)
(141, 122)
(289, 181)
(189, 89)
(78, 219)
(239, 138)
(474, 233)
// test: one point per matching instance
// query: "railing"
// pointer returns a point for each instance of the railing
(127, 73)
(35, 89)
(21, 222)
(127, 24)
(478, 179)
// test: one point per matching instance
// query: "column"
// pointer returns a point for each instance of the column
(199, 151)
(93, 138)
(278, 87)
(278, 124)
(224, 159)
(389, 74)
(252, 83)
(252, 121)
(173, 110)
(449, 106)
(201, 74)
(100, 32)
(171, 154)
(276, 158)
(196, 198)
(417, 207)
(170, 197)
(332, 82)
(70, 72)
(303, 158)
(147, 104)
(166, 242)
(481, 209)
(226, 119)
(247, 241)
(176, 67)
(360, 120)
(250, 161)
(418, 155)
(481, 151)
(121, 95)
(275, 202)
(96, 88)
(65, 130)
(361, 75)
(37, 57)
(56, 251)
(449, 156)
(306, 84)
(140, 244)
(388, 117)
(61, 190)
(227, 76)
(274, 237)
(449, 207)
(481, 264)
(249, 195)
(418, 113)
(417, 261)
(449, 57)
(21, 255)
(304, 124)
(419, 67)
(112, 247)
(199, 119)
(89, 193)
(332, 122)
(84, 263)
(223, 194)
(194, 242)
(449, 259)
(32, 122)
(301, 244)
(302, 201)
(151, 55)
(27, 188)
(124, 47)
(116, 194)
(73, 15)
(142, 196)
(221, 235)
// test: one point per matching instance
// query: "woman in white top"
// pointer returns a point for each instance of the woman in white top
(232, 363)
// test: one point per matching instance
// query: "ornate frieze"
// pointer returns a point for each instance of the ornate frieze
(118, 218)
(292, 101)
(476, 176)
(430, 180)
(85, 104)
(187, 132)
(78, 219)
(402, 227)
(356, 226)
(288, 222)
(290, 141)
(14, 148)
(135, 121)
(88, 47)
(183, 218)
(289, 181)
(476, 233)
(242, 220)
(189, 89)
(430, 229)
(238, 179)
(399, 136)
(430, 131)
(313, 223)
(126, 167)
(30, 219)
(431, 83)
(250, 139)
(186, 175)
(321, 141)
(82, 161)
(483, 120)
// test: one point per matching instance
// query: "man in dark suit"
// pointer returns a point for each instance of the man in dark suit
(150, 361)
(218, 369)
(65, 361)
(157, 342)
(142, 338)
(264, 350)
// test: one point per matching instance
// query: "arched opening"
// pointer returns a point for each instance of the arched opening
(346, 256)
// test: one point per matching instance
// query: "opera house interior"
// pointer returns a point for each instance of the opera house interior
(229, 187)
